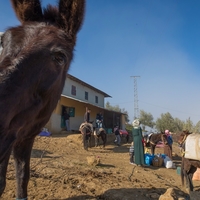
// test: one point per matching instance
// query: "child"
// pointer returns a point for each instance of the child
(131, 153)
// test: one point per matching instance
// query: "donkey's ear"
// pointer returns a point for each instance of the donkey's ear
(71, 14)
(27, 10)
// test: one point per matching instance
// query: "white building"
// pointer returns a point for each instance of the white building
(76, 96)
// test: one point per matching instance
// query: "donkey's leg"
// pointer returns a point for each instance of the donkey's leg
(22, 153)
(96, 140)
(153, 149)
(103, 137)
(191, 186)
(3, 169)
(190, 176)
(84, 137)
(90, 140)
(6, 143)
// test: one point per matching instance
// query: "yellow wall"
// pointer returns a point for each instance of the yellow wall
(54, 124)
(80, 108)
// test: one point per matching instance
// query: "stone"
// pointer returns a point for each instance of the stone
(169, 195)
(92, 160)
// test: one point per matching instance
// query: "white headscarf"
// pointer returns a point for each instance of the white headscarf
(136, 123)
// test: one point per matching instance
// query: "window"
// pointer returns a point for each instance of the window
(73, 90)
(86, 95)
(70, 111)
(96, 99)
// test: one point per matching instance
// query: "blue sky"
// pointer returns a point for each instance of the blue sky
(157, 40)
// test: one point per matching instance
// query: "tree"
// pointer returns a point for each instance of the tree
(188, 125)
(118, 109)
(166, 121)
(146, 119)
(197, 127)
(178, 125)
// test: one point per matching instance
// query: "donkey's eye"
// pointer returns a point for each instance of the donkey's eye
(59, 58)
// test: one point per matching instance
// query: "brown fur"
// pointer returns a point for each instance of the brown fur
(154, 139)
(101, 133)
(33, 65)
(188, 166)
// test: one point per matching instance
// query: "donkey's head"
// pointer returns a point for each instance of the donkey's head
(45, 41)
(37, 54)
(182, 137)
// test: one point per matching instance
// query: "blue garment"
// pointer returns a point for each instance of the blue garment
(169, 140)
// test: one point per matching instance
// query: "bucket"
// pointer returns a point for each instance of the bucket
(178, 170)
(148, 158)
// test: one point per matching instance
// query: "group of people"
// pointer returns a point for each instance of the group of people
(99, 119)
(89, 124)
(136, 150)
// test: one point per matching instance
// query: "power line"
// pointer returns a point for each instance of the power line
(136, 107)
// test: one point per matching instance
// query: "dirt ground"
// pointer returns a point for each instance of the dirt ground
(59, 170)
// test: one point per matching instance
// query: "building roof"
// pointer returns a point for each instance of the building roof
(87, 85)
(81, 101)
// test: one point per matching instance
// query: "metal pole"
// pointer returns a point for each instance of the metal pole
(136, 108)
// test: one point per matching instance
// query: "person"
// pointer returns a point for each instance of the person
(138, 145)
(87, 115)
(66, 118)
(117, 135)
(168, 147)
(99, 120)
(131, 153)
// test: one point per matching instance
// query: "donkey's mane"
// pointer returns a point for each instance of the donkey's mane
(51, 14)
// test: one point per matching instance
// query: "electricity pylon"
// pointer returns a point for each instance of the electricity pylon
(136, 108)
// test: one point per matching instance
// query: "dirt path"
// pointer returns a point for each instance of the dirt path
(59, 170)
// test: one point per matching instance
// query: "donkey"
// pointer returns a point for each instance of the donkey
(86, 130)
(33, 65)
(100, 132)
(188, 166)
(153, 139)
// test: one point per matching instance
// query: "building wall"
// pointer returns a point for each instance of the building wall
(54, 124)
(80, 93)
(79, 103)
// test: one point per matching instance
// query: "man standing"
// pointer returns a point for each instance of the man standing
(99, 120)
(168, 147)
(87, 116)
(117, 135)
(66, 117)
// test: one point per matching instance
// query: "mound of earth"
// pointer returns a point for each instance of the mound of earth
(59, 170)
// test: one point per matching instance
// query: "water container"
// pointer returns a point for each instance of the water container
(148, 158)
(178, 170)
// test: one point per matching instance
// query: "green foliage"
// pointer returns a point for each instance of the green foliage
(146, 119)
(129, 128)
(188, 125)
(166, 121)
(178, 124)
(197, 127)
